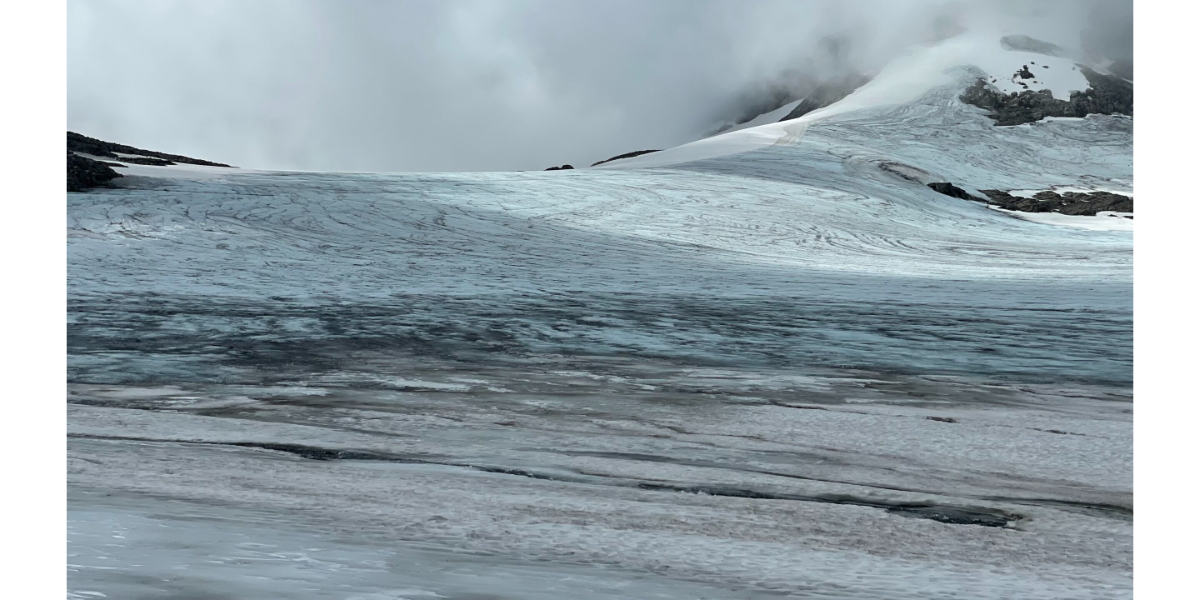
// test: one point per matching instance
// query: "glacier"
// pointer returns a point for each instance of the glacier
(771, 363)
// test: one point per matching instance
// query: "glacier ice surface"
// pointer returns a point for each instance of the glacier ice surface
(713, 379)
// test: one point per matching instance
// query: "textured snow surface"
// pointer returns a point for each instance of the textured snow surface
(783, 372)
(1103, 221)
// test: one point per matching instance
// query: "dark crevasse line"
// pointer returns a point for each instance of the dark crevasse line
(955, 515)
(1118, 511)
(300, 450)
(1107, 509)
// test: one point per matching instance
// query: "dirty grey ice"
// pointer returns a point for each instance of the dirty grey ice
(790, 370)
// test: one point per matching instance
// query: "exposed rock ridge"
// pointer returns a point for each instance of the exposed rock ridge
(84, 173)
(626, 155)
(1068, 203)
(83, 144)
(1108, 95)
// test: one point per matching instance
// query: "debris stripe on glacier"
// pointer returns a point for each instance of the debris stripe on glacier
(608, 230)
(786, 546)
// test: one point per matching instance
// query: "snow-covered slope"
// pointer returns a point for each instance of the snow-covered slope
(778, 364)
(910, 76)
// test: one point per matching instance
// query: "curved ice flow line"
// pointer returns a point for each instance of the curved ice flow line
(774, 220)
(793, 133)
(618, 230)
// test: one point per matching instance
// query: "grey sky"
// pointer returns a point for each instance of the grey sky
(427, 85)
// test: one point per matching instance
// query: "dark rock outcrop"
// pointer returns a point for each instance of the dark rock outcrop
(1107, 95)
(949, 189)
(626, 155)
(83, 144)
(560, 168)
(1015, 109)
(1008, 202)
(146, 160)
(827, 94)
(1068, 203)
(84, 173)
(1090, 204)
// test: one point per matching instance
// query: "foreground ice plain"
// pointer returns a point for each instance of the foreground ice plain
(712, 379)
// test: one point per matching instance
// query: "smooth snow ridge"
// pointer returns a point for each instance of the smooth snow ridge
(1103, 221)
(773, 116)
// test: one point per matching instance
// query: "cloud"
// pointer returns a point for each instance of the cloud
(415, 85)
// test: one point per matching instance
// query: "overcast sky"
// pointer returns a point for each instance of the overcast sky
(460, 85)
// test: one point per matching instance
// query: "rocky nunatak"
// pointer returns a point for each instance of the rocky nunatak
(1108, 95)
(82, 144)
(86, 170)
(84, 173)
(1067, 203)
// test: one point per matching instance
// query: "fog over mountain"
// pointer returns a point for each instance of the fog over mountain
(480, 85)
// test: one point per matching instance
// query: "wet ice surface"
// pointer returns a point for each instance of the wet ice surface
(790, 372)
(176, 550)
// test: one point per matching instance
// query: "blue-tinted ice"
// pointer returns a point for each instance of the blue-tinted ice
(712, 380)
